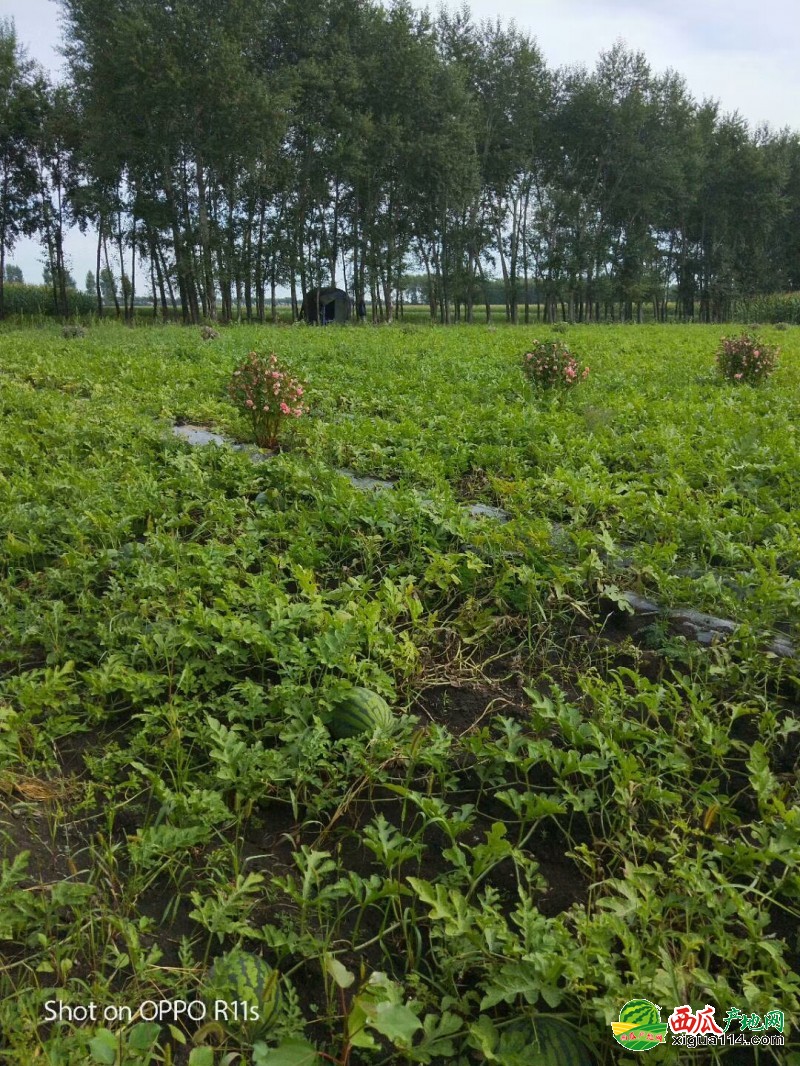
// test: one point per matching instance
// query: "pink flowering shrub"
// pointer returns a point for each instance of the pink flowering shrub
(745, 359)
(265, 394)
(551, 365)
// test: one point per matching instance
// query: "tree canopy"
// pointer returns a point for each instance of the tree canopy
(236, 148)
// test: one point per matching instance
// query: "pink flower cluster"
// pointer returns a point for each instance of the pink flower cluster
(266, 394)
(551, 365)
(746, 359)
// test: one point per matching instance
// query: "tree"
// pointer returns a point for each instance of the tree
(47, 277)
(511, 88)
(14, 275)
(179, 114)
(108, 285)
(55, 153)
(238, 145)
(21, 101)
(91, 283)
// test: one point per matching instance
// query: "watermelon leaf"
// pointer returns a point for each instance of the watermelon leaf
(104, 1046)
(395, 1021)
(513, 979)
(436, 1043)
(201, 1056)
(341, 975)
(143, 1035)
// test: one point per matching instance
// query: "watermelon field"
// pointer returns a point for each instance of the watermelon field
(581, 609)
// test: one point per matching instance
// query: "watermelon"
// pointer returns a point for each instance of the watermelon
(542, 1041)
(360, 711)
(242, 992)
(640, 1012)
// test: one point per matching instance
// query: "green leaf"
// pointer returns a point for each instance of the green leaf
(340, 974)
(436, 1043)
(70, 894)
(143, 1035)
(396, 1022)
(201, 1056)
(483, 1037)
(512, 980)
(104, 1046)
(177, 1034)
(357, 1033)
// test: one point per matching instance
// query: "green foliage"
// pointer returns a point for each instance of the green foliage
(47, 279)
(136, 1047)
(108, 285)
(459, 150)
(567, 814)
(780, 308)
(33, 301)
(22, 104)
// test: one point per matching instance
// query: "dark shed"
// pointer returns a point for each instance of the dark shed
(326, 305)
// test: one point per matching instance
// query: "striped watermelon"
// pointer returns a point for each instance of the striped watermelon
(640, 1012)
(243, 993)
(542, 1041)
(360, 711)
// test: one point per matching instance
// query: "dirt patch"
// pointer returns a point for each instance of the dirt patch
(475, 484)
(461, 708)
(29, 828)
(458, 709)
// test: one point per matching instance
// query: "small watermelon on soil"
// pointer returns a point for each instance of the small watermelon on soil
(543, 1042)
(248, 987)
(360, 711)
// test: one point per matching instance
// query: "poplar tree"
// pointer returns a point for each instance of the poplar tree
(22, 89)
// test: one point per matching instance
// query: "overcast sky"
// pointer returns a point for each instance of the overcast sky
(741, 53)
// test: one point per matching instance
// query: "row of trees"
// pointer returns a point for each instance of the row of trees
(234, 148)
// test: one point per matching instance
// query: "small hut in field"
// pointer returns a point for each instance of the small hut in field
(322, 306)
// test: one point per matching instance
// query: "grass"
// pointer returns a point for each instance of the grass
(564, 818)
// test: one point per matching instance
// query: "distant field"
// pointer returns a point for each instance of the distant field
(572, 810)
(25, 305)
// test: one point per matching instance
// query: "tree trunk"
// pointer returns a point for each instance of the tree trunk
(133, 264)
(111, 276)
(159, 279)
(153, 288)
(207, 290)
(504, 268)
(98, 290)
(166, 276)
(3, 217)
